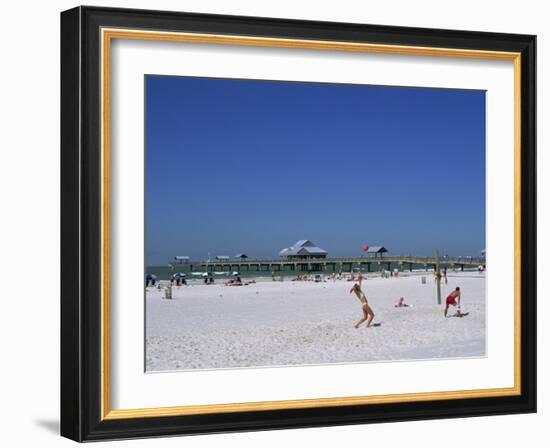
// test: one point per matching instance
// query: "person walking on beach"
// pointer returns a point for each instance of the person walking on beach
(452, 300)
(368, 313)
(445, 274)
(401, 303)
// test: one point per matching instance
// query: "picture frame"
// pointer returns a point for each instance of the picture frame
(86, 238)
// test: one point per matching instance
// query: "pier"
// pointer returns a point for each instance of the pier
(405, 262)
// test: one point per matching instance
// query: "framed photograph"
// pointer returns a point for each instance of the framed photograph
(273, 223)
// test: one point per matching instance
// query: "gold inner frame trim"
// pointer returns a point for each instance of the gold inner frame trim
(107, 35)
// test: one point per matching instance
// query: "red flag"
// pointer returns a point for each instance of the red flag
(366, 247)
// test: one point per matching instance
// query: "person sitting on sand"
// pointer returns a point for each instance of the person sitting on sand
(368, 313)
(452, 300)
(401, 303)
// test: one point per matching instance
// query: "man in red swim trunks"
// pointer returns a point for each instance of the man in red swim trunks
(452, 300)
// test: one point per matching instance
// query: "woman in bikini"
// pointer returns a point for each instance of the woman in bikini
(368, 313)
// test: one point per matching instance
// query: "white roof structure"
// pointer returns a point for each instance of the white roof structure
(223, 257)
(181, 257)
(302, 248)
(376, 250)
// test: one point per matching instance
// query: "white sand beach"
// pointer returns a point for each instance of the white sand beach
(296, 323)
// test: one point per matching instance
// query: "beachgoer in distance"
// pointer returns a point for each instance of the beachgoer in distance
(452, 300)
(437, 275)
(401, 303)
(445, 274)
(150, 279)
(368, 313)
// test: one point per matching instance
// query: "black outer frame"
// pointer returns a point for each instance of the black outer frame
(80, 224)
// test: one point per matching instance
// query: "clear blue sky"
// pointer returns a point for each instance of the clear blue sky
(252, 166)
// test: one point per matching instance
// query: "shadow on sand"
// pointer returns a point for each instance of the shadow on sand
(459, 315)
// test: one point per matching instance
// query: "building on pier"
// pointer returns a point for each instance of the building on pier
(376, 251)
(303, 249)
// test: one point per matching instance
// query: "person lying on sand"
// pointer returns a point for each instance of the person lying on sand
(401, 303)
(451, 300)
(239, 282)
(368, 313)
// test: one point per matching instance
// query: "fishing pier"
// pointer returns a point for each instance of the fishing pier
(365, 264)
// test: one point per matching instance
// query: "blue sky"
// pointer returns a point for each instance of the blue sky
(252, 166)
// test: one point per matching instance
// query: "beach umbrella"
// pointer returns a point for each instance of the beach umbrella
(366, 247)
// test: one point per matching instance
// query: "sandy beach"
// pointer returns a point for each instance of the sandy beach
(296, 323)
